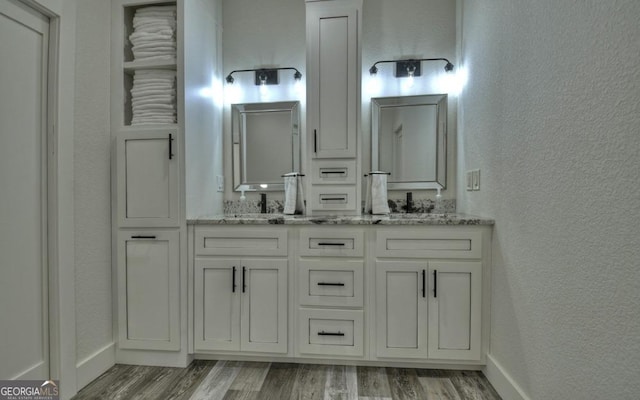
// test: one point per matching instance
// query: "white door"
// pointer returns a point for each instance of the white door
(401, 302)
(454, 310)
(217, 288)
(24, 349)
(264, 305)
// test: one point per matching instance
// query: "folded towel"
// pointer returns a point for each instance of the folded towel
(293, 194)
(376, 202)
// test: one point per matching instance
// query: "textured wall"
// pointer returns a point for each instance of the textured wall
(92, 176)
(551, 116)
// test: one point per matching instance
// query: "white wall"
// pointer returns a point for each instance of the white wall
(92, 179)
(551, 116)
(408, 29)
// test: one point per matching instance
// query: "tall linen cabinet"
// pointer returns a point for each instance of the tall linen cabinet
(333, 106)
(154, 187)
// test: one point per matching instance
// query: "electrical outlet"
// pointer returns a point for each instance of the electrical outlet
(469, 180)
(475, 179)
(220, 183)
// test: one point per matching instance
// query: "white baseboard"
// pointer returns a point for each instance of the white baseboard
(95, 365)
(504, 384)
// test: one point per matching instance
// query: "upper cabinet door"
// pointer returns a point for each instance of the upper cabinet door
(332, 78)
(147, 178)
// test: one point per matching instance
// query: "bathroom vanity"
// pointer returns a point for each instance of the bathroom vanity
(369, 289)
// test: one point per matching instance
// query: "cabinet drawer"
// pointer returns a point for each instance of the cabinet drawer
(435, 243)
(251, 241)
(331, 242)
(325, 283)
(333, 198)
(333, 172)
(331, 332)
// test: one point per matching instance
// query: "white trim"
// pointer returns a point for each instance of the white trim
(95, 365)
(504, 384)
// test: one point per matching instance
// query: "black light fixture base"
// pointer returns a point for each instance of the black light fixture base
(403, 66)
(270, 75)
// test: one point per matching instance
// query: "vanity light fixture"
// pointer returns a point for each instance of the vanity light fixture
(265, 76)
(410, 67)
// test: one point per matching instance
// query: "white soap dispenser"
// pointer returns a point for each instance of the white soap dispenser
(438, 203)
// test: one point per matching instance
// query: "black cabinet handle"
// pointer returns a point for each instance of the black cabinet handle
(323, 333)
(333, 198)
(330, 284)
(233, 281)
(330, 244)
(244, 282)
(170, 146)
(435, 283)
(315, 141)
(424, 283)
(143, 237)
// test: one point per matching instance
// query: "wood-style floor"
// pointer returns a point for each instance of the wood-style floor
(228, 380)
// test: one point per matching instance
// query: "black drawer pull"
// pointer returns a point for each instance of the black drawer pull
(333, 198)
(315, 141)
(244, 283)
(330, 244)
(424, 284)
(435, 283)
(143, 237)
(233, 281)
(170, 146)
(333, 172)
(330, 284)
(323, 333)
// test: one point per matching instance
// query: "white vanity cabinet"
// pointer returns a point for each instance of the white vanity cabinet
(330, 317)
(240, 302)
(148, 289)
(333, 101)
(429, 294)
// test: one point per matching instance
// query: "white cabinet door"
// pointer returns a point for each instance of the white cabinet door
(264, 305)
(148, 290)
(401, 303)
(454, 310)
(332, 80)
(147, 179)
(217, 304)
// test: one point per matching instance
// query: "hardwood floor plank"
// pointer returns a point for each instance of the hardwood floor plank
(278, 384)
(439, 388)
(251, 376)
(157, 384)
(131, 384)
(215, 385)
(310, 382)
(336, 387)
(404, 384)
(104, 383)
(351, 373)
(473, 385)
(184, 385)
(373, 383)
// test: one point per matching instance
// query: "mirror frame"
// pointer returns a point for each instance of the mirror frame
(237, 142)
(440, 101)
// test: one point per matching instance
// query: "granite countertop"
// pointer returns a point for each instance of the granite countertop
(391, 219)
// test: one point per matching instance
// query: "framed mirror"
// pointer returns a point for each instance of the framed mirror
(409, 140)
(266, 144)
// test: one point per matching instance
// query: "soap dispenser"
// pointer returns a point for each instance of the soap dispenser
(438, 202)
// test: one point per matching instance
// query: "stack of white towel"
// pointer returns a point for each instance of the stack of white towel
(154, 33)
(153, 97)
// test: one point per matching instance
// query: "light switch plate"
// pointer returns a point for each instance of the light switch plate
(220, 183)
(475, 179)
